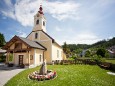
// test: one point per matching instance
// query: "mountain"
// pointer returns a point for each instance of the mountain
(100, 44)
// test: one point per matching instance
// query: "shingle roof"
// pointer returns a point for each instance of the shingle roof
(33, 44)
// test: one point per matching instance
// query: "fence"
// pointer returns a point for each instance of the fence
(104, 65)
(76, 61)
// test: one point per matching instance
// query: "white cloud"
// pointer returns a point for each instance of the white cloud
(21, 33)
(9, 10)
(87, 37)
(63, 10)
(58, 29)
(81, 38)
(24, 10)
(8, 3)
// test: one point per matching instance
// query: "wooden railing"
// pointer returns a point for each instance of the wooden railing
(77, 61)
(104, 65)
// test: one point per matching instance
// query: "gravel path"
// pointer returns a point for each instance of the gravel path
(6, 73)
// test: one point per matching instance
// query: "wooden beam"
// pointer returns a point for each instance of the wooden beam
(26, 49)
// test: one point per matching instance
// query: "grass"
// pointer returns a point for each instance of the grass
(110, 61)
(68, 75)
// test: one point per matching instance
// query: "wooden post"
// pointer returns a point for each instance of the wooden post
(43, 56)
(7, 57)
(28, 58)
(13, 57)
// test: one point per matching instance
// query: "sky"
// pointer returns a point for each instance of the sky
(70, 21)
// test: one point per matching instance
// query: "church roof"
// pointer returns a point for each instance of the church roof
(53, 41)
(27, 42)
(33, 44)
(41, 10)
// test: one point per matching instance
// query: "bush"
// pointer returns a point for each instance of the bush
(97, 58)
(87, 53)
(2, 58)
(11, 57)
(101, 52)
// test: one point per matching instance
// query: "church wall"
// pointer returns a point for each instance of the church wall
(32, 56)
(35, 53)
(57, 52)
(47, 53)
(30, 36)
(25, 61)
(46, 42)
(39, 26)
(43, 36)
(36, 27)
(37, 58)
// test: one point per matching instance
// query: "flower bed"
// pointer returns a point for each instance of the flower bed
(35, 76)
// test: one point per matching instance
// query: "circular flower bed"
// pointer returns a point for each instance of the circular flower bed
(35, 76)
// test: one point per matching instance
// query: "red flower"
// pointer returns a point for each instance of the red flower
(54, 72)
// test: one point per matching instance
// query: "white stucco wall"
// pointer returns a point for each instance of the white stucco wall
(54, 53)
(25, 59)
(37, 54)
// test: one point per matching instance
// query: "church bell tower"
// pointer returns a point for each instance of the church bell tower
(39, 20)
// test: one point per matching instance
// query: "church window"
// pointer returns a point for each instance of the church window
(43, 23)
(31, 57)
(40, 58)
(57, 53)
(37, 22)
(36, 35)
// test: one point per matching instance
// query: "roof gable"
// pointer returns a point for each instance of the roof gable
(27, 42)
(53, 41)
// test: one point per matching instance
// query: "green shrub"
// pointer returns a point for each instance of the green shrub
(2, 58)
(10, 57)
(97, 58)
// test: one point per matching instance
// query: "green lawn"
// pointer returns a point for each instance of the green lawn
(110, 61)
(68, 75)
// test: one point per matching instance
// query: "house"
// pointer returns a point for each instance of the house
(37, 46)
(111, 51)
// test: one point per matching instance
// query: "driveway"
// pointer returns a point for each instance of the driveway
(6, 73)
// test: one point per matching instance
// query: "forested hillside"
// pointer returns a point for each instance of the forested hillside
(100, 44)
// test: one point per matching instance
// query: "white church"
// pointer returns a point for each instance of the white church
(37, 46)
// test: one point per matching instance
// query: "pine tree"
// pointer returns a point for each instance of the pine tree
(2, 40)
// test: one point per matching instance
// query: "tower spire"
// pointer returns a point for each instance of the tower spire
(41, 10)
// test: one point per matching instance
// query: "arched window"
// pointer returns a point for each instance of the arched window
(43, 23)
(37, 22)
(36, 35)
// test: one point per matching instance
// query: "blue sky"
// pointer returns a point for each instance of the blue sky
(73, 21)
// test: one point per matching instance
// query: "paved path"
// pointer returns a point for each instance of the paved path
(6, 73)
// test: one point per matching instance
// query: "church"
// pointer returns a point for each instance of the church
(36, 47)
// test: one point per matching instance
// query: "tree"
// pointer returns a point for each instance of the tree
(2, 40)
(87, 53)
(66, 49)
(101, 52)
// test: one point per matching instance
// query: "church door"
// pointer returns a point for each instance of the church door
(20, 59)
